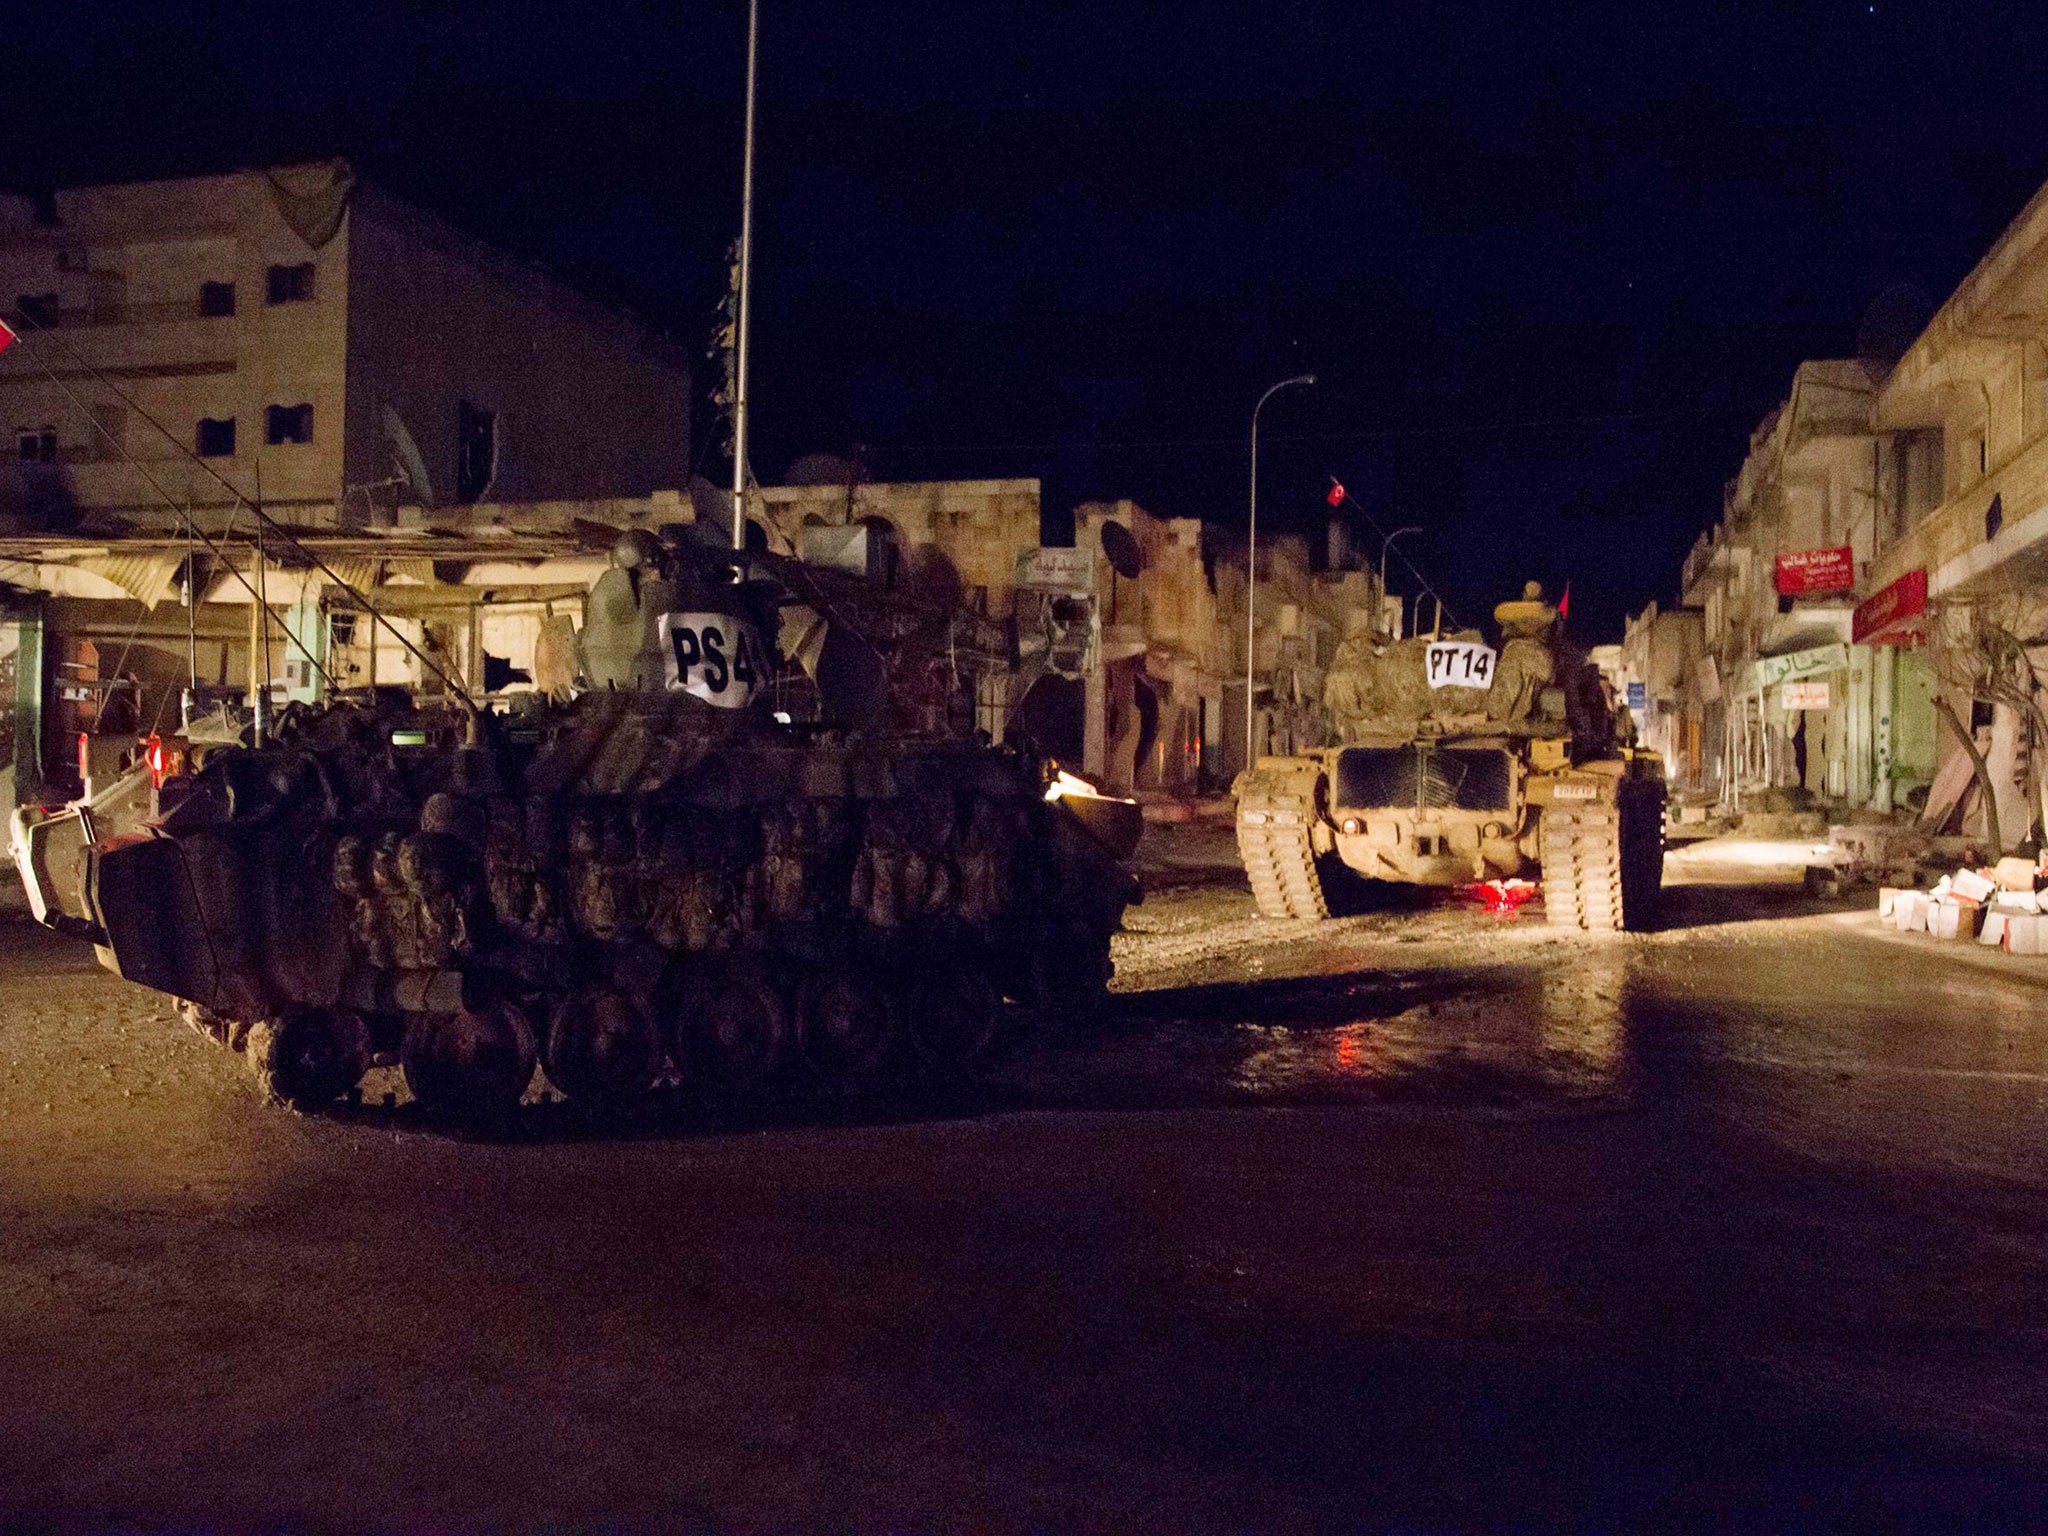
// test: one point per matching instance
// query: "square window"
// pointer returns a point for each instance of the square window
(37, 445)
(288, 424)
(38, 309)
(290, 285)
(216, 438)
(216, 299)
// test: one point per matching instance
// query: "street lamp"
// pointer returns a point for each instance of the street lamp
(1251, 566)
(1385, 545)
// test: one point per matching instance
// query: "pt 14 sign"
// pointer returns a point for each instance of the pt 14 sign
(1460, 664)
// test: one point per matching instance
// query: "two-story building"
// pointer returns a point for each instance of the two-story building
(1882, 511)
(317, 345)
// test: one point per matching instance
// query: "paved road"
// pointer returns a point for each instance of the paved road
(1422, 1219)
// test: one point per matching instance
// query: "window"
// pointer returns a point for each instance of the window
(36, 445)
(476, 451)
(288, 424)
(216, 299)
(37, 308)
(291, 285)
(216, 437)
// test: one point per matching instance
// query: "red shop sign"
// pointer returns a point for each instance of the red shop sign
(1816, 570)
(1894, 616)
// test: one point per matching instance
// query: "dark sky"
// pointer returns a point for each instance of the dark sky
(1551, 263)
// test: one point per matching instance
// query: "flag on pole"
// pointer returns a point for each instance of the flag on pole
(1564, 604)
(1335, 496)
(6, 336)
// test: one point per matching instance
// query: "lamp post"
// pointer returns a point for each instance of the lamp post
(1386, 544)
(1251, 566)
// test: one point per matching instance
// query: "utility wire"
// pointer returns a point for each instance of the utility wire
(191, 524)
(1413, 569)
(263, 518)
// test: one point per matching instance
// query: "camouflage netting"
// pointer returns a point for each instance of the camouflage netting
(1380, 689)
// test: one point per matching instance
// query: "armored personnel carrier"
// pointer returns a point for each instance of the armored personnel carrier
(668, 878)
(1462, 762)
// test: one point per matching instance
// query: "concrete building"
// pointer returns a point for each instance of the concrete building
(1778, 704)
(1656, 662)
(1163, 645)
(319, 345)
(1883, 516)
(1302, 615)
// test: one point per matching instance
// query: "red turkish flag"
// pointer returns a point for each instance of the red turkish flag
(1336, 495)
(1564, 604)
(7, 337)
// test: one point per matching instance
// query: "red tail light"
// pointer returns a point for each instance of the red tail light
(84, 757)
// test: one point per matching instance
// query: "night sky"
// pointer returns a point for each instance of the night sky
(1552, 264)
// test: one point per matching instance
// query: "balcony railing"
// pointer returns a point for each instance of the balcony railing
(1962, 523)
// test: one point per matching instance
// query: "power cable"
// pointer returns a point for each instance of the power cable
(192, 527)
(1413, 569)
(263, 518)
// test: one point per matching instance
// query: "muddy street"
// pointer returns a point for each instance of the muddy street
(1422, 1217)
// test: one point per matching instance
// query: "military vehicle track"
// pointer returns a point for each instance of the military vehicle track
(1275, 813)
(1602, 865)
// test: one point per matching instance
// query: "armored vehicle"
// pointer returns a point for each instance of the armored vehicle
(1462, 762)
(690, 872)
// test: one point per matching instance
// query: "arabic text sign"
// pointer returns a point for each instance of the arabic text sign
(1801, 571)
(1895, 615)
(1460, 664)
(1057, 570)
(1804, 695)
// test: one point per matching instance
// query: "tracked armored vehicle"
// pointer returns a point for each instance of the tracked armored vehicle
(1459, 763)
(665, 879)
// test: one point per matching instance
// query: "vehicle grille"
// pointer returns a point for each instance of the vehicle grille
(1423, 778)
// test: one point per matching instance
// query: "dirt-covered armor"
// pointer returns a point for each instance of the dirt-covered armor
(632, 887)
(1460, 762)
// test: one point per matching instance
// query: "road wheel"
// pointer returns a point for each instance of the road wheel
(954, 1008)
(311, 1056)
(469, 1067)
(847, 1022)
(735, 1031)
(601, 1047)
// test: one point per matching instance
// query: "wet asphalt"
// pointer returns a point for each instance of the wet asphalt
(1420, 1220)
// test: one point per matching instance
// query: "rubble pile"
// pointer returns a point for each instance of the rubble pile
(1881, 853)
(2005, 905)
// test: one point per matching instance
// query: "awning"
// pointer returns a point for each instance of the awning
(148, 578)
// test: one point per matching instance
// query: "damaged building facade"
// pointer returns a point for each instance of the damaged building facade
(378, 382)
(1874, 589)
(454, 439)
(1143, 681)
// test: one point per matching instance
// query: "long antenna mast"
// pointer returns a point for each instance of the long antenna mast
(739, 403)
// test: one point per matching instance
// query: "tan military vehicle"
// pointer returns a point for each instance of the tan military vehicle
(1460, 762)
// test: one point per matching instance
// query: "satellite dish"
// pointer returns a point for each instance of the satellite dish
(407, 454)
(1122, 551)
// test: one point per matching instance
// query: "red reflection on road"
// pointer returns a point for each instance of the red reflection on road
(1503, 898)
